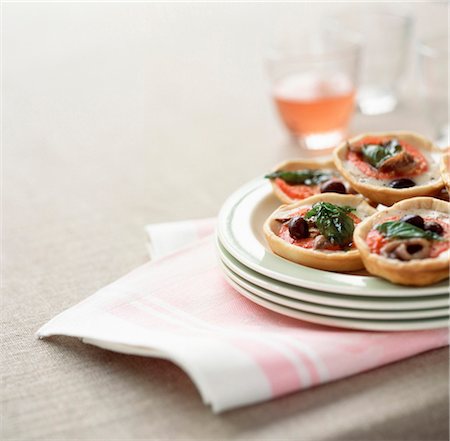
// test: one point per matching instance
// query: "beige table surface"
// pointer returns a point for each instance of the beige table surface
(116, 115)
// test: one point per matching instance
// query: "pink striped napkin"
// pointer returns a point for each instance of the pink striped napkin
(179, 307)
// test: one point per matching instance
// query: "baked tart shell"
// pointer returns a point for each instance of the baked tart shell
(386, 195)
(340, 261)
(414, 272)
(445, 169)
(297, 164)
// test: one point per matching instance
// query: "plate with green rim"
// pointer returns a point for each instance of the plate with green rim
(368, 303)
(333, 311)
(240, 232)
(341, 322)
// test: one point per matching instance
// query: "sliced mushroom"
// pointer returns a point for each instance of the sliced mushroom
(313, 231)
(320, 242)
(402, 162)
(409, 249)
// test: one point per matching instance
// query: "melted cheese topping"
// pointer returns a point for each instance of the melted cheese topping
(428, 177)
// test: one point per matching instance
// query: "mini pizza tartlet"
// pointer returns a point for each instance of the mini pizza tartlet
(297, 179)
(318, 231)
(445, 169)
(407, 243)
(390, 166)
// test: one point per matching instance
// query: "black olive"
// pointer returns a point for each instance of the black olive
(402, 183)
(413, 219)
(333, 186)
(298, 228)
(435, 227)
(414, 248)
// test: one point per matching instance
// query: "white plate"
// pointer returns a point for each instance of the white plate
(329, 299)
(331, 310)
(367, 325)
(240, 232)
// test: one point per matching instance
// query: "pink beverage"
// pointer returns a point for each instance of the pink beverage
(315, 105)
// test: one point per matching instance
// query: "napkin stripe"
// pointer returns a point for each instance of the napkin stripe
(147, 315)
(271, 360)
(270, 366)
(315, 366)
(133, 314)
(317, 369)
(280, 371)
(288, 358)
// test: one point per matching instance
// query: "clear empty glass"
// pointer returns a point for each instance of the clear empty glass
(385, 38)
(433, 71)
(313, 86)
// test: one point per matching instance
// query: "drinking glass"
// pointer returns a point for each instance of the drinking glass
(433, 70)
(313, 86)
(385, 38)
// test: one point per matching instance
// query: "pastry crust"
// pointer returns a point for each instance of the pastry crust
(379, 193)
(414, 272)
(445, 169)
(297, 164)
(341, 261)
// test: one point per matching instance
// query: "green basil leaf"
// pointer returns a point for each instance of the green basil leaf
(376, 154)
(305, 177)
(333, 222)
(404, 230)
(327, 207)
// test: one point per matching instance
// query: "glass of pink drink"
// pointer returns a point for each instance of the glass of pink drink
(313, 87)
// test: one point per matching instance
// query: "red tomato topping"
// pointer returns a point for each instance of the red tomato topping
(368, 170)
(376, 241)
(297, 191)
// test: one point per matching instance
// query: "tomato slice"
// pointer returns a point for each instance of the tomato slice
(299, 192)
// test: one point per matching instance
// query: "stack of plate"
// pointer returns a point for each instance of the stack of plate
(356, 301)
